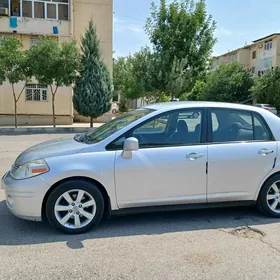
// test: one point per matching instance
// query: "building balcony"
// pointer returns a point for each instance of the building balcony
(35, 17)
(35, 26)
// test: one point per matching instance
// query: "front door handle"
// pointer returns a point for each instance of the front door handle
(265, 152)
(194, 156)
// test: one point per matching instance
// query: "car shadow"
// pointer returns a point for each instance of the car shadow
(14, 231)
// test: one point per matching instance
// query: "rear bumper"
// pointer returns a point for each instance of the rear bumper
(24, 198)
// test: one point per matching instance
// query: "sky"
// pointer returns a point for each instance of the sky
(238, 22)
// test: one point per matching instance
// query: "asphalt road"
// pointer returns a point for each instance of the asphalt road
(205, 244)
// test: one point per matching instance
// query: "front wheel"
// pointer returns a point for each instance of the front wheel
(75, 206)
(269, 197)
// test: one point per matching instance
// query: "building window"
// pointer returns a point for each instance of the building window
(46, 9)
(267, 62)
(254, 54)
(268, 45)
(39, 10)
(253, 70)
(4, 3)
(27, 9)
(63, 12)
(35, 92)
(51, 11)
(15, 8)
(33, 41)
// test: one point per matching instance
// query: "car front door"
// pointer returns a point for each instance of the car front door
(241, 153)
(170, 165)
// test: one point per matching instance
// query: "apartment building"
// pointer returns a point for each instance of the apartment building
(66, 20)
(262, 54)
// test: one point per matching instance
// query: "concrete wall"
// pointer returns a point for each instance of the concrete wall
(243, 57)
(25, 39)
(101, 11)
(35, 112)
(63, 102)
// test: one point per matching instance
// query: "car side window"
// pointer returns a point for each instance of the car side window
(231, 125)
(155, 126)
(237, 125)
(175, 128)
(193, 121)
(261, 132)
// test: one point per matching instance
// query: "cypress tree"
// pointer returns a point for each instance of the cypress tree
(93, 89)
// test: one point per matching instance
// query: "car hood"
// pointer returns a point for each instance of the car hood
(57, 147)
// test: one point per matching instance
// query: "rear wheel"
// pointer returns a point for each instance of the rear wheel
(75, 206)
(269, 198)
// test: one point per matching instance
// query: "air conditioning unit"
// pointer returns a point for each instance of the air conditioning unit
(4, 11)
(260, 46)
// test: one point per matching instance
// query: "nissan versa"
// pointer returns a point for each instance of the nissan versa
(165, 156)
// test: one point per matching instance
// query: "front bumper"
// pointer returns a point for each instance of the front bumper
(24, 198)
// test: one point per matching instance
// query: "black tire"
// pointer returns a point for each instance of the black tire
(74, 185)
(262, 201)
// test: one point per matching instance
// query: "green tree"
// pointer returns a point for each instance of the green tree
(124, 79)
(54, 65)
(93, 89)
(180, 79)
(181, 34)
(229, 83)
(148, 75)
(147, 71)
(197, 92)
(164, 98)
(266, 88)
(14, 67)
(137, 76)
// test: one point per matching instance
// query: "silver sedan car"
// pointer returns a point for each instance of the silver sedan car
(176, 155)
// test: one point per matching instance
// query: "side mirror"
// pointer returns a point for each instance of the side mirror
(130, 144)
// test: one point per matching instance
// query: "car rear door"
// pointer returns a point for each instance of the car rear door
(241, 153)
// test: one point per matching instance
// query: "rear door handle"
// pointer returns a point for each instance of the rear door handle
(194, 156)
(265, 152)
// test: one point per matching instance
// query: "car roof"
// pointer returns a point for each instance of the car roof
(191, 104)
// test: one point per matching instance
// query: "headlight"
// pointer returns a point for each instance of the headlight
(29, 169)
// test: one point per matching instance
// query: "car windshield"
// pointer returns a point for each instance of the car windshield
(116, 124)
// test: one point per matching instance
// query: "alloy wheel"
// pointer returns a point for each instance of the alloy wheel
(75, 209)
(273, 198)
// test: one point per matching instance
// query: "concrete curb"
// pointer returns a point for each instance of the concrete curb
(43, 130)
